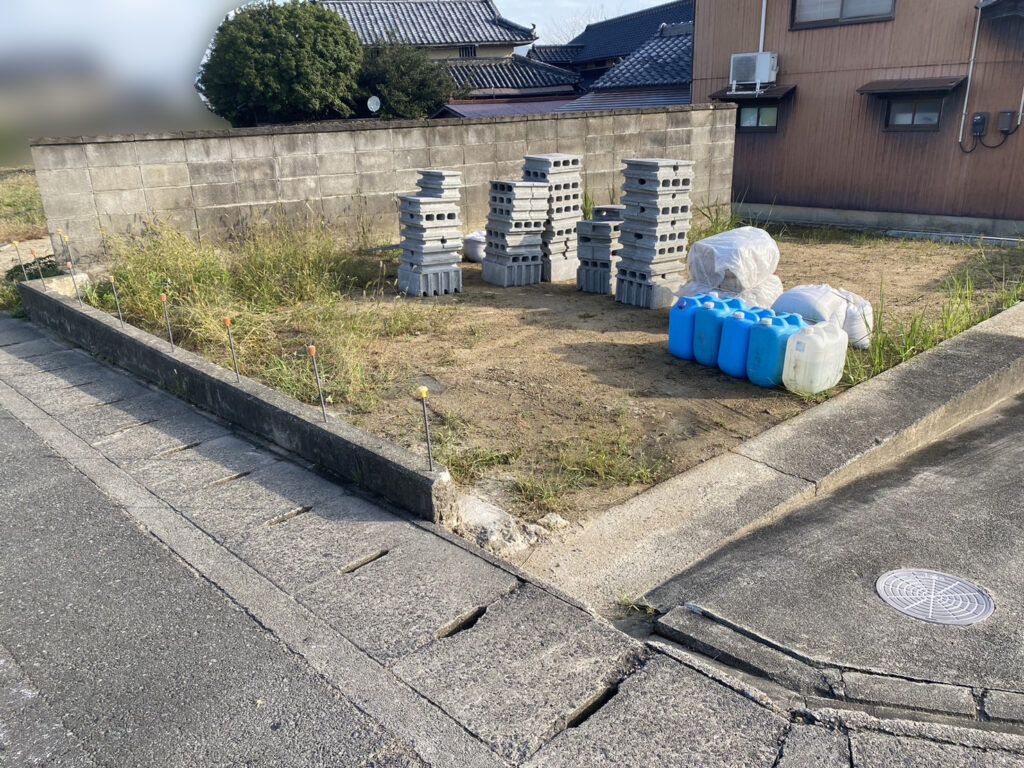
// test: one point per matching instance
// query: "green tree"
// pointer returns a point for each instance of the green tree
(272, 63)
(408, 82)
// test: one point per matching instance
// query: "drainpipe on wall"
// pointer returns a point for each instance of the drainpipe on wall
(970, 77)
(764, 15)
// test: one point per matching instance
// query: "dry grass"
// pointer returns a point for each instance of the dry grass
(21, 207)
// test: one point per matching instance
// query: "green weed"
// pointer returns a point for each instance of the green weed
(21, 206)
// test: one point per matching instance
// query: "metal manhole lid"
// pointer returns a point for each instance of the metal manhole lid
(934, 596)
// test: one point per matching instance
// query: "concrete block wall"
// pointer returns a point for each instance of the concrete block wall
(351, 173)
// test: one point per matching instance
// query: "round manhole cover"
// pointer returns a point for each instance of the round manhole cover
(934, 596)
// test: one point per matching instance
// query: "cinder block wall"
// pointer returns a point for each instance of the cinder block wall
(350, 173)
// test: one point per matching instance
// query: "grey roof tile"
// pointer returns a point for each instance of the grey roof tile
(512, 72)
(622, 35)
(630, 99)
(665, 59)
(554, 54)
(430, 22)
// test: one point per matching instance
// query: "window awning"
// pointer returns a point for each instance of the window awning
(775, 93)
(938, 86)
(997, 9)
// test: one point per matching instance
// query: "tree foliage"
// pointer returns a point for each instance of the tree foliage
(408, 82)
(272, 63)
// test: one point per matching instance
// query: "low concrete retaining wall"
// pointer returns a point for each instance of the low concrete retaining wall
(349, 172)
(372, 463)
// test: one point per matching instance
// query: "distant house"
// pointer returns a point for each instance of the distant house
(902, 114)
(471, 36)
(657, 74)
(604, 44)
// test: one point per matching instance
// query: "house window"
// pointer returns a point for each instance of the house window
(467, 51)
(913, 114)
(760, 119)
(823, 13)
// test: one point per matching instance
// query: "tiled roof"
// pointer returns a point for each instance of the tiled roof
(630, 99)
(665, 59)
(510, 73)
(614, 38)
(493, 108)
(430, 22)
(554, 54)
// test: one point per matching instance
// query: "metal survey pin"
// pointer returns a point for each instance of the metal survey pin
(319, 388)
(67, 248)
(231, 343)
(74, 281)
(17, 250)
(40, 265)
(117, 299)
(167, 319)
(423, 392)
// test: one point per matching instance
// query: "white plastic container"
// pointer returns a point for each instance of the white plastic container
(473, 246)
(815, 358)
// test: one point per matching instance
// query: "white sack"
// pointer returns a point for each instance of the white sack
(859, 320)
(820, 303)
(473, 246)
(760, 296)
(735, 260)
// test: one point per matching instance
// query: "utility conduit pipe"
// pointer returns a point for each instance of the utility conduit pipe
(970, 77)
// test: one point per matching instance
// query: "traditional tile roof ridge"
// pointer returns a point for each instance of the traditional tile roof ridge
(639, 98)
(665, 59)
(508, 73)
(620, 36)
(554, 54)
(430, 22)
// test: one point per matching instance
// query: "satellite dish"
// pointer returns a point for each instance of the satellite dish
(374, 104)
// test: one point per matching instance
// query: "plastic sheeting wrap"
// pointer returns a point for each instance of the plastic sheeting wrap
(761, 296)
(473, 246)
(734, 261)
(820, 303)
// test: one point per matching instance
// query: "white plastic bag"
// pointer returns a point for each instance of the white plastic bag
(859, 320)
(760, 296)
(734, 261)
(693, 288)
(473, 246)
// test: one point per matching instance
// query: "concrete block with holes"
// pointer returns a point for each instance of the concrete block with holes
(515, 233)
(598, 252)
(431, 236)
(563, 175)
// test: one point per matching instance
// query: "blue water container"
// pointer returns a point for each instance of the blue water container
(707, 328)
(680, 325)
(766, 353)
(732, 352)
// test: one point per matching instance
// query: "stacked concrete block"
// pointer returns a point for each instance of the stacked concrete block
(655, 225)
(599, 251)
(515, 229)
(563, 175)
(431, 236)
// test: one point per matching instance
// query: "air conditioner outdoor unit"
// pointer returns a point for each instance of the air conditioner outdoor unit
(755, 69)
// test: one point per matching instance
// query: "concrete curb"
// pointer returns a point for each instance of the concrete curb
(372, 463)
(642, 544)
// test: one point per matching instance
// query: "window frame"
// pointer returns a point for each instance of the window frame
(839, 22)
(913, 128)
(469, 51)
(777, 105)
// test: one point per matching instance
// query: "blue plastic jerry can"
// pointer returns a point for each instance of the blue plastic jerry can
(707, 328)
(732, 352)
(766, 355)
(680, 325)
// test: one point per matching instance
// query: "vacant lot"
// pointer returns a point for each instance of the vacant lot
(21, 208)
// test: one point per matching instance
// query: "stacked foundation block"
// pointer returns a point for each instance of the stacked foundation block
(563, 175)
(431, 236)
(655, 226)
(515, 229)
(598, 252)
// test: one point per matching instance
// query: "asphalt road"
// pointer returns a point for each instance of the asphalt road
(113, 653)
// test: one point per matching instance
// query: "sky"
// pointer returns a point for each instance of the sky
(159, 44)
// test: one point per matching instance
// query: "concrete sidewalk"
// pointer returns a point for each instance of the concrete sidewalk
(434, 653)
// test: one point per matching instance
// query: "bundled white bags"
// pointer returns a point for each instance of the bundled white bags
(740, 263)
(820, 303)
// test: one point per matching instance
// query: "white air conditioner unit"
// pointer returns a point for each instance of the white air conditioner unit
(755, 69)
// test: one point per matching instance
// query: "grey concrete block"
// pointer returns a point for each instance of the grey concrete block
(336, 163)
(286, 144)
(262, 191)
(108, 178)
(376, 183)
(888, 751)
(479, 133)
(389, 609)
(409, 138)
(118, 153)
(206, 195)
(183, 219)
(169, 198)
(669, 715)
(122, 223)
(59, 157)
(124, 202)
(207, 150)
(218, 221)
(882, 690)
(1003, 705)
(161, 152)
(372, 140)
(333, 142)
(217, 172)
(342, 184)
(437, 280)
(571, 127)
(442, 156)
(374, 162)
(307, 188)
(479, 153)
(165, 175)
(69, 181)
(810, 747)
(59, 207)
(522, 671)
(250, 147)
(297, 166)
(255, 169)
(411, 159)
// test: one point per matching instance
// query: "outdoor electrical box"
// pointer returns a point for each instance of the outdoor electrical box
(1006, 121)
(979, 124)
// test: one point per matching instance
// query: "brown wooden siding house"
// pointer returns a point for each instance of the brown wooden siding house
(862, 123)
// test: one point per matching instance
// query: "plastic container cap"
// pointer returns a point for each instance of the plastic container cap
(738, 315)
(766, 321)
(708, 305)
